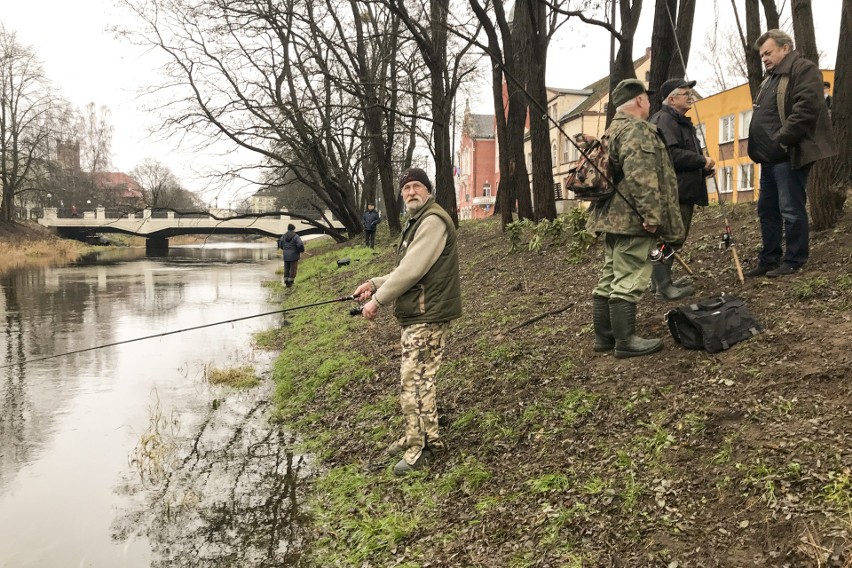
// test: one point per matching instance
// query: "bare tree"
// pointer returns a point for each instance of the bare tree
(750, 35)
(827, 182)
(622, 65)
(510, 109)
(447, 68)
(161, 188)
(26, 117)
(671, 34)
(94, 132)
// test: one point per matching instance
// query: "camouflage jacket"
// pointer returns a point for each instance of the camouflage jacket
(637, 150)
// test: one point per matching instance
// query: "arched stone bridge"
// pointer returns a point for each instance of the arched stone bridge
(157, 226)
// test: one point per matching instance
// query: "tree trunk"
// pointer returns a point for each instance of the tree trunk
(803, 29)
(830, 179)
(683, 38)
(662, 41)
(754, 67)
(544, 198)
(773, 21)
(622, 67)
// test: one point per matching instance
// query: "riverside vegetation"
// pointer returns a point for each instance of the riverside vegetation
(559, 456)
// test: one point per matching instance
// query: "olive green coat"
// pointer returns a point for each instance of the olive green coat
(637, 150)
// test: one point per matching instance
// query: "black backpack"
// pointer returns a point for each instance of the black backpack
(714, 324)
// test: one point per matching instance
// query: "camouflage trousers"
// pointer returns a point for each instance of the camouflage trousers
(422, 352)
(627, 268)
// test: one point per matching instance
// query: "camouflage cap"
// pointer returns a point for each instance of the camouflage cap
(626, 90)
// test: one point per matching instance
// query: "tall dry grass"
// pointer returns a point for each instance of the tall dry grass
(48, 252)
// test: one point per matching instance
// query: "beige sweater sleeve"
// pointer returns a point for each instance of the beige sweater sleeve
(423, 251)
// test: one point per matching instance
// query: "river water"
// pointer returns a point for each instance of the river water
(127, 456)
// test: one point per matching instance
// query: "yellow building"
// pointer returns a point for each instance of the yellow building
(722, 121)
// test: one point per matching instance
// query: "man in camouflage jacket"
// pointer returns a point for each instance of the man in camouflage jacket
(648, 183)
(425, 290)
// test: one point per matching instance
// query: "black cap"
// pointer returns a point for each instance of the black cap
(415, 174)
(672, 84)
(628, 89)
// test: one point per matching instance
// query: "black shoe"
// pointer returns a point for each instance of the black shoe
(783, 270)
(760, 270)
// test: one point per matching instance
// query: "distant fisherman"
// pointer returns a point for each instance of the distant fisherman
(647, 181)
(425, 290)
(291, 246)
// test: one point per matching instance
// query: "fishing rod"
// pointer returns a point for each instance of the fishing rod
(728, 236)
(665, 250)
(156, 335)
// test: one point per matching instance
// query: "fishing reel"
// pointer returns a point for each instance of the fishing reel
(727, 241)
(662, 253)
(356, 310)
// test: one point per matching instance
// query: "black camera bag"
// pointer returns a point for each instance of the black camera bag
(714, 324)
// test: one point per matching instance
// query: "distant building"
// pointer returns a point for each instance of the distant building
(476, 181)
(120, 186)
(264, 201)
(723, 121)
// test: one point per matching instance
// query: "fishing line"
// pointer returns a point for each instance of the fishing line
(156, 335)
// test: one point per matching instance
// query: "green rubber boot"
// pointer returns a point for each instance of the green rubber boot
(664, 289)
(622, 314)
(604, 340)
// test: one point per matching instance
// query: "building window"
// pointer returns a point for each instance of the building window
(726, 129)
(701, 132)
(529, 162)
(553, 112)
(553, 153)
(486, 189)
(726, 180)
(745, 122)
(747, 177)
(566, 149)
(557, 190)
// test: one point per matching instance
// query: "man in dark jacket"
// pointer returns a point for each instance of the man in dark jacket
(371, 221)
(789, 131)
(691, 167)
(292, 246)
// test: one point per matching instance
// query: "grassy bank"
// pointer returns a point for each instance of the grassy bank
(26, 245)
(559, 456)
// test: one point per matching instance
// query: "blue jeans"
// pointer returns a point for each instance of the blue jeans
(782, 206)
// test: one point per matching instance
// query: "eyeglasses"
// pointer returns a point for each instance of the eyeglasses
(687, 95)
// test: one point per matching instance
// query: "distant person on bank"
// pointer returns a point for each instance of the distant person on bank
(641, 162)
(425, 291)
(292, 248)
(691, 167)
(789, 131)
(371, 221)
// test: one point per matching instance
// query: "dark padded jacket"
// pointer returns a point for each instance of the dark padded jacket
(292, 246)
(790, 116)
(687, 158)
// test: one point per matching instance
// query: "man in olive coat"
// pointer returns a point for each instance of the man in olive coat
(789, 131)
(425, 291)
(640, 160)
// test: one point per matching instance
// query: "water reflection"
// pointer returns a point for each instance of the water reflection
(68, 425)
(226, 496)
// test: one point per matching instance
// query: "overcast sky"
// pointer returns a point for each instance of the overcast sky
(83, 58)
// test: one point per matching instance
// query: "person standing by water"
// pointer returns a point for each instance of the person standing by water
(424, 291)
(371, 221)
(292, 247)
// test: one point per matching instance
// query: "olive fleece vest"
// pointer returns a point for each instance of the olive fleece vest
(436, 297)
